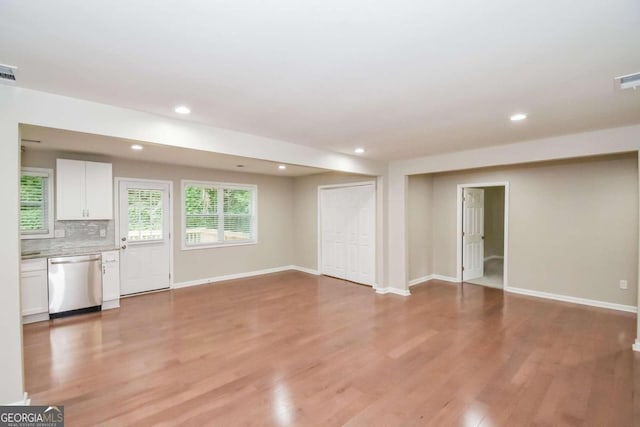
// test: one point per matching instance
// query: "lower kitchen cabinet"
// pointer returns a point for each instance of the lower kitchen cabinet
(34, 301)
(110, 280)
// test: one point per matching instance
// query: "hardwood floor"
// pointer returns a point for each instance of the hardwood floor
(295, 349)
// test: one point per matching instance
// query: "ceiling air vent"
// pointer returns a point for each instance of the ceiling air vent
(7, 72)
(629, 81)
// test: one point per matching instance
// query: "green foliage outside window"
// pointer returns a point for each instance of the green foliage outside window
(33, 204)
(214, 215)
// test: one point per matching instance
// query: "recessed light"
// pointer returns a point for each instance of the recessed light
(137, 147)
(359, 150)
(282, 167)
(517, 117)
(182, 109)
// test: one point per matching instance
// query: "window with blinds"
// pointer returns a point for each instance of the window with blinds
(144, 214)
(218, 214)
(36, 207)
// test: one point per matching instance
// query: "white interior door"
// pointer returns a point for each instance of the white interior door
(347, 233)
(144, 236)
(472, 233)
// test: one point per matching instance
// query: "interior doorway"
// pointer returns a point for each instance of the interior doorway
(483, 234)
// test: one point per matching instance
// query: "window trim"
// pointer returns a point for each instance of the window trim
(219, 186)
(50, 177)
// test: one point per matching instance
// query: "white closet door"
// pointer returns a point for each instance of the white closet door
(348, 233)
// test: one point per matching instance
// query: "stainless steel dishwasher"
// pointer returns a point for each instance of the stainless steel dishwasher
(75, 285)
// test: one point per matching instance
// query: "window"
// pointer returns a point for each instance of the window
(36, 207)
(216, 214)
(145, 214)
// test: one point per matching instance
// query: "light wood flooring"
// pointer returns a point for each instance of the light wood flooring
(295, 349)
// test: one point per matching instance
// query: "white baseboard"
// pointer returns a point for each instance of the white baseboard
(444, 278)
(490, 257)
(395, 291)
(423, 279)
(636, 345)
(108, 305)
(304, 270)
(575, 300)
(419, 280)
(32, 318)
(230, 277)
(24, 402)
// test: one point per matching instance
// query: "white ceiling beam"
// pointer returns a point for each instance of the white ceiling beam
(61, 112)
(594, 143)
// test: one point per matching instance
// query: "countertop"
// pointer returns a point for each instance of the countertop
(68, 252)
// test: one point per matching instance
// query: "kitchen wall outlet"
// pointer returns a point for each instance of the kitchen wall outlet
(623, 284)
(103, 232)
(58, 233)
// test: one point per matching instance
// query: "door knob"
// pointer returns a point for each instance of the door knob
(124, 239)
(123, 247)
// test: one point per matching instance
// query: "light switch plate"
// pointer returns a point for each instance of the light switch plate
(103, 232)
(59, 232)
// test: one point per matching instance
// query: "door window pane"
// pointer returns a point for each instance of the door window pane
(145, 215)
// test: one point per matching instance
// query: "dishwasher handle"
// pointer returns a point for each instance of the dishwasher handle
(76, 260)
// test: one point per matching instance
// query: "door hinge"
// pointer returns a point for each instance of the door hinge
(463, 268)
(169, 275)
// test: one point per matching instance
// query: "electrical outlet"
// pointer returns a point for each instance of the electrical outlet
(103, 232)
(623, 284)
(59, 232)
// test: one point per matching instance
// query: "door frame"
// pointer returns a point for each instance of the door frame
(116, 217)
(459, 248)
(321, 188)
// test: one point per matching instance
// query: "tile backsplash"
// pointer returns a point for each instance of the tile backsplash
(77, 234)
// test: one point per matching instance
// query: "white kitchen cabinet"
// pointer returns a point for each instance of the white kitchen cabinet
(84, 190)
(110, 280)
(34, 299)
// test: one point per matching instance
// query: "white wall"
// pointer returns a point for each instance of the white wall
(275, 215)
(11, 380)
(572, 225)
(607, 141)
(419, 219)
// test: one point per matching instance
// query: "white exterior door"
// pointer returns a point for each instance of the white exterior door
(347, 233)
(472, 233)
(144, 236)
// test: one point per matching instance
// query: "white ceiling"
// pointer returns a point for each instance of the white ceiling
(402, 78)
(42, 138)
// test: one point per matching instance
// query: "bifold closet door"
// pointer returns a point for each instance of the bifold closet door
(347, 230)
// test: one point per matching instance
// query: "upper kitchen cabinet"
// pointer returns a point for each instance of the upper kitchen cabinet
(84, 190)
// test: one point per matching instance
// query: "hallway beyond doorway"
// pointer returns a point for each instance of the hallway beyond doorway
(493, 273)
